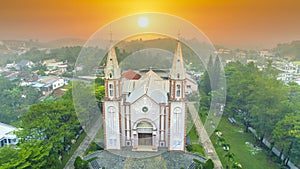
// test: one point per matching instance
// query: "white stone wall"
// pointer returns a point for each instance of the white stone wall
(58, 83)
(112, 126)
(153, 113)
(123, 125)
(177, 126)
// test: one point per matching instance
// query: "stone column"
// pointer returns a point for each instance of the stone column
(154, 147)
(162, 125)
(127, 123)
(134, 141)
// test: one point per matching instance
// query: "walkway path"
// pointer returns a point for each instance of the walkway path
(204, 138)
(83, 145)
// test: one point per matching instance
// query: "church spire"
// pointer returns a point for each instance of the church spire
(112, 70)
(178, 70)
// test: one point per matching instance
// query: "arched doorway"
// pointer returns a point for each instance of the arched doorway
(145, 133)
(144, 136)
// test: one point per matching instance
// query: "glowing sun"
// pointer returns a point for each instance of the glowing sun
(143, 21)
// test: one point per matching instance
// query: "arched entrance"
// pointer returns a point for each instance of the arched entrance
(144, 133)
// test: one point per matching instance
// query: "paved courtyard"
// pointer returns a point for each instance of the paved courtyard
(135, 160)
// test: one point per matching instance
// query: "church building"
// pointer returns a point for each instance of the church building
(146, 113)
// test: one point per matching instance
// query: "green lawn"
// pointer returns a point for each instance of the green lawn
(235, 136)
(193, 135)
(197, 147)
(203, 116)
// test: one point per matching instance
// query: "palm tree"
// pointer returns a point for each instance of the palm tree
(221, 140)
(237, 165)
(229, 158)
(225, 146)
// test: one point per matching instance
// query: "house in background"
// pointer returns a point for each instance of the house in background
(131, 75)
(191, 85)
(47, 84)
(11, 65)
(7, 137)
(56, 67)
(24, 64)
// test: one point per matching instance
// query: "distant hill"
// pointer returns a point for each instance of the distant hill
(289, 50)
(67, 42)
(16, 44)
(168, 44)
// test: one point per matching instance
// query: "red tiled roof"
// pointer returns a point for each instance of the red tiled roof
(131, 75)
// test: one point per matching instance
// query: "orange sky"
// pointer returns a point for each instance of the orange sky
(233, 23)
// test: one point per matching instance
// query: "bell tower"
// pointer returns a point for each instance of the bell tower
(112, 102)
(177, 76)
(177, 105)
(112, 75)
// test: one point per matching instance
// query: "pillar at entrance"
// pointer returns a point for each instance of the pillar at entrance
(154, 147)
(134, 141)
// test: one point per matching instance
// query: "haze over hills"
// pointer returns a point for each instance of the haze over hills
(36, 43)
(290, 50)
(67, 42)
(18, 48)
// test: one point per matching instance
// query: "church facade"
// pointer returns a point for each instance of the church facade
(145, 113)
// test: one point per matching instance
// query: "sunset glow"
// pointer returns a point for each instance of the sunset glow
(231, 22)
(143, 22)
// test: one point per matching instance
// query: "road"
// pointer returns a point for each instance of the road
(209, 149)
(83, 145)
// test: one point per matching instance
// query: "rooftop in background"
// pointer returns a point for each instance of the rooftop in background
(6, 129)
(131, 75)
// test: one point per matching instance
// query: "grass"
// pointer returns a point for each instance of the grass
(236, 139)
(198, 149)
(193, 135)
(100, 135)
(296, 62)
(194, 138)
(74, 147)
(203, 116)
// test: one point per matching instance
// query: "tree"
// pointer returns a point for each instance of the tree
(216, 74)
(205, 84)
(210, 84)
(209, 164)
(41, 73)
(255, 97)
(268, 105)
(237, 165)
(15, 100)
(51, 125)
(31, 154)
(229, 156)
(287, 135)
(80, 164)
(99, 92)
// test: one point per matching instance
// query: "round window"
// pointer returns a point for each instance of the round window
(145, 109)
